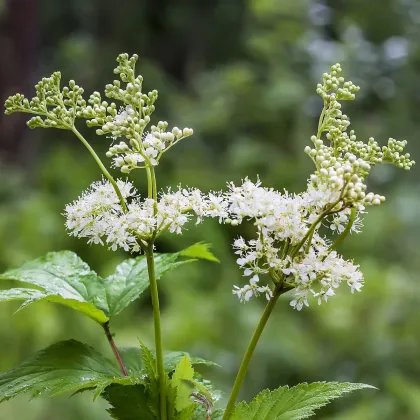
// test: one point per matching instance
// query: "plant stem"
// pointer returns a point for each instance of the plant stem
(114, 348)
(345, 232)
(154, 184)
(248, 354)
(149, 182)
(280, 289)
(151, 193)
(102, 167)
(158, 331)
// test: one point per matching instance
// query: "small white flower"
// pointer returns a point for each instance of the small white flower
(98, 215)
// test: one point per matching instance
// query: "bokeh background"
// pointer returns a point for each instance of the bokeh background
(242, 73)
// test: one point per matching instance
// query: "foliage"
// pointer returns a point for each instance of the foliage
(67, 366)
(70, 367)
(299, 402)
(64, 278)
(128, 402)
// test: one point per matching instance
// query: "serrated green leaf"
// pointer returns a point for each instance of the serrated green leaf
(200, 414)
(131, 279)
(128, 402)
(151, 378)
(149, 362)
(67, 366)
(200, 250)
(63, 278)
(182, 382)
(20, 293)
(294, 403)
(132, 359)
(187, 413)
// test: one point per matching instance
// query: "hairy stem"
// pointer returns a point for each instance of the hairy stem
(114, 348)
(158, 331)
(102, 167)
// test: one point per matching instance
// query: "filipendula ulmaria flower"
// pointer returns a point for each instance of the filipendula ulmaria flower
(98, 215)
(293, 243)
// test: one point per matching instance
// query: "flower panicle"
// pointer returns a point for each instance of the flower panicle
(291, 244)
(56, 107)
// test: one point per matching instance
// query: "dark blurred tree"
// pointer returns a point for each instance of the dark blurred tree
(19, 29)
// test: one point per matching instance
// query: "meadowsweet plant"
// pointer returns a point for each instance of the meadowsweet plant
(295, 249)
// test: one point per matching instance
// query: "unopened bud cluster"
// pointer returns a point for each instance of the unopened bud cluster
(335, 87)
(54, 108)
(342, 162)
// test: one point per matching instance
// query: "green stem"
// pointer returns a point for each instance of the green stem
(310, 232)
(102, 167)
(280, 289)
(158, 331)
(346, 231)
(151, 192)
(154, 184)
(248, 355)
(285, 249)
(149, 182)
(308, 244)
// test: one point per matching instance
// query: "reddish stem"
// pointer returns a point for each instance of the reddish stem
(114, 348)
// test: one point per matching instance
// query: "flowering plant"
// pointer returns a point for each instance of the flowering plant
(294, 250)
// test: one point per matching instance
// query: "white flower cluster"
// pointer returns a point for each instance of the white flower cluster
(98, 215)
(289, 245)
(318, 273)
(282, 222)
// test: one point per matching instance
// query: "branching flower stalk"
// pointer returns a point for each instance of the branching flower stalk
(289, 247)
(279, 289)
(104, 211)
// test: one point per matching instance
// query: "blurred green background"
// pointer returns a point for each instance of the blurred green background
(242, 73)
